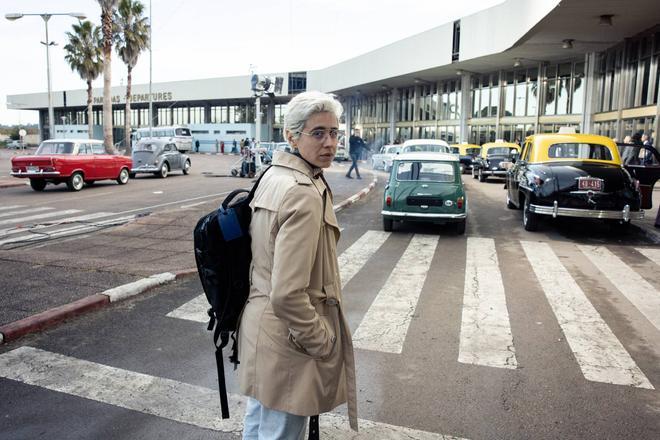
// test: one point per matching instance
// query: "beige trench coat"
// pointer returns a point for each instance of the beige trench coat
(295, 347)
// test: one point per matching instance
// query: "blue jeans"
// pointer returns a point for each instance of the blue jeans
(354, 158)
(262, 423)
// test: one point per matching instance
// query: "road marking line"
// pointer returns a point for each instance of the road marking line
(39, 216)
(66, 231)
(385, 325)
(26, 211)
(600, 355)
(638, 291)
(356, 256)
(486, 337)
(350, 263)
(651, 254)
(193, 204)
(166, 398)
(64, 221)
(6, 208)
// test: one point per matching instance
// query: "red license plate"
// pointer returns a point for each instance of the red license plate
(590, 184)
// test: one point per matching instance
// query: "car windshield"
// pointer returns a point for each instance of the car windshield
(426, 147)
(393, 150)
(455, 150)
(500, 151)
(55, 148)
(472, 150)
(579, 151)
(425, 171)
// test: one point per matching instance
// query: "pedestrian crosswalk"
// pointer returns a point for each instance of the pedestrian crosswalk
(485, 337)
(24, 225)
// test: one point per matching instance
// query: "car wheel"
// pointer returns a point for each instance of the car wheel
(234, 173)
(482, 178)
(530, 219)
(460, 227)
(164, 169)
(509, 203)
(123, 177)
(75, 182)
(38, 184)
(186, 167)
(388, 224)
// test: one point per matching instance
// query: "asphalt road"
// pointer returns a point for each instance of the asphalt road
(502, 334)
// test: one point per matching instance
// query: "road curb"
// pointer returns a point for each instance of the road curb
(43, 320)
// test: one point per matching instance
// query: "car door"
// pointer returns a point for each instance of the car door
(85, 160)
(645, 167)
(104, 163)
(172, 156)
(517, 173)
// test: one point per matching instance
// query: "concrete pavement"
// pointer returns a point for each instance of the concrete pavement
(134, 253)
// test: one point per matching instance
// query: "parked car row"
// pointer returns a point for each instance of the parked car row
(77, 162)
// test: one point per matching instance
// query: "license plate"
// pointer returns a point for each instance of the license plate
(32, 169)
(590, 183)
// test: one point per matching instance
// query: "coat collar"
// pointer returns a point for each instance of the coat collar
(288, 160)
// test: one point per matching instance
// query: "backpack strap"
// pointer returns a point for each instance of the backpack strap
(224, 339)
(313, 428)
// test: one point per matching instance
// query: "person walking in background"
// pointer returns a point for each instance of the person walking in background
(234, 149)
(356, 145)
(294, 343)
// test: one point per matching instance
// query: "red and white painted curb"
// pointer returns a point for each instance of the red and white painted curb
(43, 320)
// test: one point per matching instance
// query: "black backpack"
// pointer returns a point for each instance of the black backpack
(223, 256)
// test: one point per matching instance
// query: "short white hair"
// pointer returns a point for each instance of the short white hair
(307, 104)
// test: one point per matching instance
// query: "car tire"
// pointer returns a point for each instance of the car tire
(482, 178)
(38, 184)
(75, 182)
(388, 224)
(164, 169)
(123, 177)
(460, 227)
(509, 203)
(186, 168)
(234, 173)
(530, 219)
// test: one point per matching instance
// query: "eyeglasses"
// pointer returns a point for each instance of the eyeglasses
(320, 134)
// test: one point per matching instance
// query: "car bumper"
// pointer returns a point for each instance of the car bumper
(421, 215)
(42, 174)
(493, 172)
(145, 169)
(555, 211)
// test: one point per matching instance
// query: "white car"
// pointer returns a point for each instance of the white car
(15, 144)
(341, 154)
(383, 159)
(427, 145)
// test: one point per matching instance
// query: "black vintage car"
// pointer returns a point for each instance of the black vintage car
(575, 175)
(489, 163)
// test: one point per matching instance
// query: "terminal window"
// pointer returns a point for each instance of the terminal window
(297, 82)
(456, 42)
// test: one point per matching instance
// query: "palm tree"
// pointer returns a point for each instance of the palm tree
(108, 8)
(132, 39)
(83, 53)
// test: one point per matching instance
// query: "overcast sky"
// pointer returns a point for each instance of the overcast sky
(210, 38)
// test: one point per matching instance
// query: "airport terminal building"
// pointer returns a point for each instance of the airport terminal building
(521, 67)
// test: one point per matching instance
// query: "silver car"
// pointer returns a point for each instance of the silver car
(159, 157)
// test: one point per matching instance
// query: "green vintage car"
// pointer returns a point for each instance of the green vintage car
(425, 187)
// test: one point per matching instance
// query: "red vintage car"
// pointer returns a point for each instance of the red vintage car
(71, 161)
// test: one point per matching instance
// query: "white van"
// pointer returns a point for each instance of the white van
(178, 134)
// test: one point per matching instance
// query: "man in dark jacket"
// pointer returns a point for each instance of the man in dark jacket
(355, 151)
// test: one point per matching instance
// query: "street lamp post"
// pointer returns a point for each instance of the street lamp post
(48, 43)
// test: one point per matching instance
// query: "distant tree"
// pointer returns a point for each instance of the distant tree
(83, 53)
(108, 8)
(132, 38)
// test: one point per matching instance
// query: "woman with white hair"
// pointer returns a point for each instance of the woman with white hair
(295, 346)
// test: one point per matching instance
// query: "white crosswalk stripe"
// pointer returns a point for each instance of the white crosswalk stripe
(7, 208)
(638, 291)
(50, 224)
(600, 355)
(355, 257)
(385, 325)
(26, 211)
(166, 398)
(485, 329)
(651, 254)
(30, 218)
